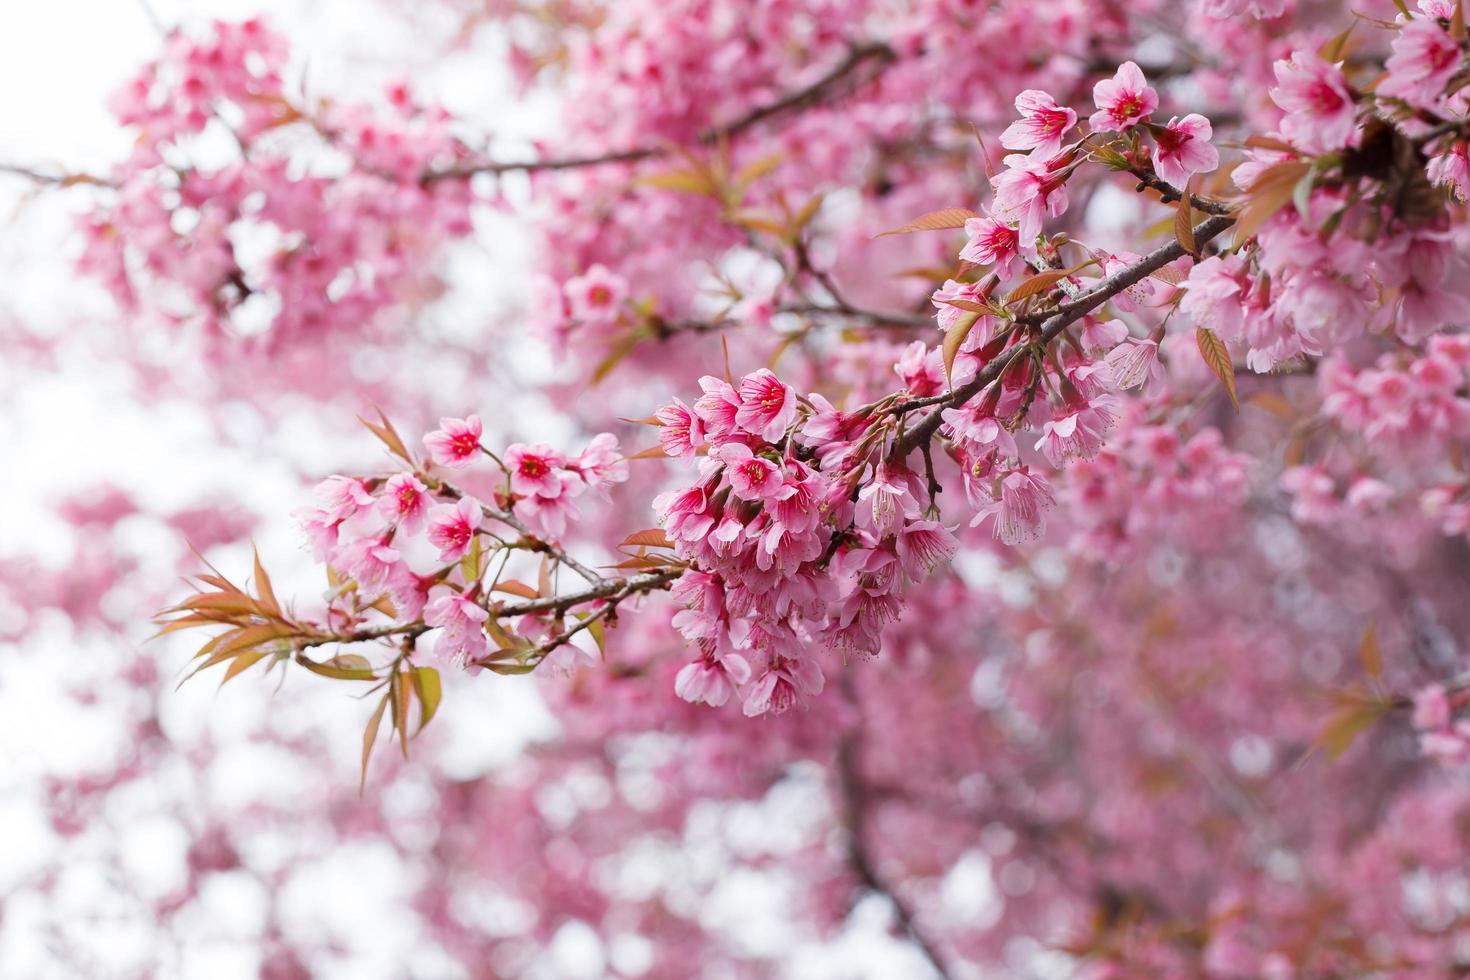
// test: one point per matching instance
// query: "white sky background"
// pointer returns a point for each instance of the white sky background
(59, 60)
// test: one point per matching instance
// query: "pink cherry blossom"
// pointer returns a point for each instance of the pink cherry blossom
(681, 431)
(596, 297)
(1423, 59)
(767, 406)
(536, 470)
(404, 502)
(1182, 149)
(991, 243)
(1123, 101)
(452, 527)
(1027, 192)
(752, 477)
(1318, 104)
(1043, 124)
(456, 443)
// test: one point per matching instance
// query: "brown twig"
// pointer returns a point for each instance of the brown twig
(819, 91)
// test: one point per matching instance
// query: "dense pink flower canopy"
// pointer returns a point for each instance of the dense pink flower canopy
(968, 489)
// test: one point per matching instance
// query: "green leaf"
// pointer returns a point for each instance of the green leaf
(338, 668)
(426, 685)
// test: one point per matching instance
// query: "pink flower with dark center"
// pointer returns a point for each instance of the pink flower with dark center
(991, 243)
(452, 527)
(751, 477)
(1183, 149)
(456, 442)
(404, 501)
(535, 470)
(767, 407)
(1123, 101)
(597, 295)
(681, 431)
(1027, 192)
(1318, 104)
(1042, 125)
(1424, 59)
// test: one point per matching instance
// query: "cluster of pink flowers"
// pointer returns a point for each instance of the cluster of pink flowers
(403, 537)
(797, 536)
(343, 239)
(1153, 485)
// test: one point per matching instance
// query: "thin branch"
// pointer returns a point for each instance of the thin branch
(1066, 315)
(855, 795)
(819, 91)
(57, 179)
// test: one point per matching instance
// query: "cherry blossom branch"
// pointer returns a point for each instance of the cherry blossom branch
(1065, 316)
(824, 88)
(855, 795)
(58, 179)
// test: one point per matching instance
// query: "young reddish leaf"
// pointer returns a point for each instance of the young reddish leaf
(646, 420)
(1217, 357)
(1457, 21)
(1184, 224)
(1369, 654)
(1271, 191)
(243, 663)
(426, 685)
(934, 221)
(387, 435)
(968, 305)
(756, 169)
(369, 737)
(654, 537)
(1333, 49)
(1043, 281)
(620, 349)
(804, 217)
(652, 452)
(701, 183)
(263, 586)
(512, 586)
(954, 337)
(1346, 724)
